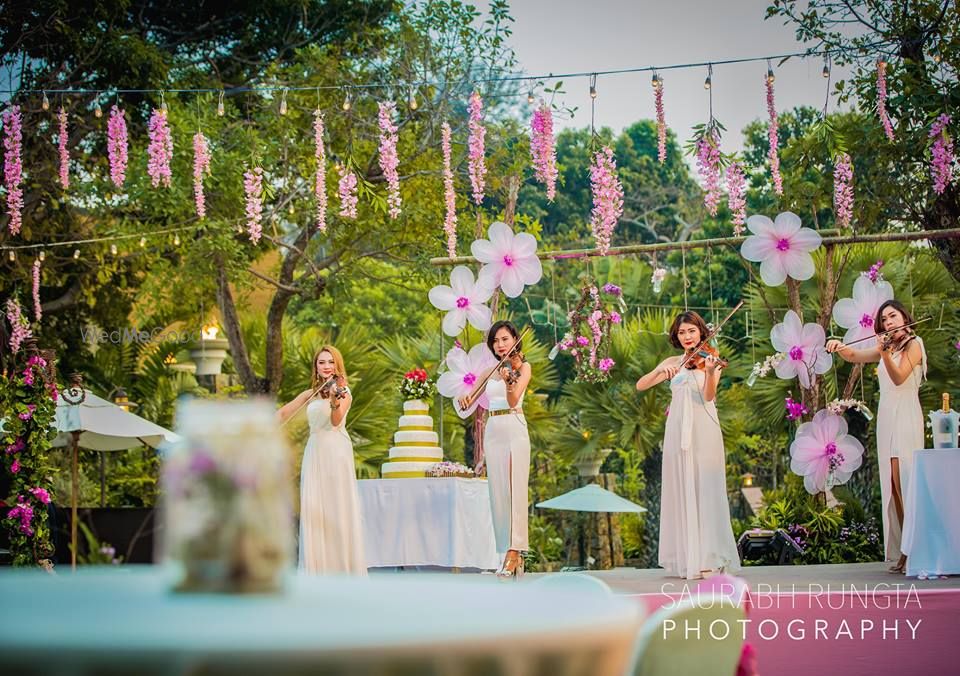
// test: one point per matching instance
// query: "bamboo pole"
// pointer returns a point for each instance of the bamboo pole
(716, 241)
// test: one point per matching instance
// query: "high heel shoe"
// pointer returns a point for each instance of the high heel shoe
(514, 573)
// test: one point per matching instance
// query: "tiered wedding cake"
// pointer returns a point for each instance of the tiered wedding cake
(416, 446)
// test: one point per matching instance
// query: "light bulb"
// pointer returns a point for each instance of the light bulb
(290, 210)
(346, 102)
(220, 110)
(770, 76)
(113, 249)
(826, 70)
(707, 83)
(593, 92)
(412, 102)
(530, 97)
(13, 256)
(655, 81)
(43, 255)
(176, 240)
(283, 103)
(76, 254)
(98, 111)
(46, 102)
(936, 57)
(143, 242)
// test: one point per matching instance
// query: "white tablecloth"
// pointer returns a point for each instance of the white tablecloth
(931, 520)
(123, 621)
(428, 522)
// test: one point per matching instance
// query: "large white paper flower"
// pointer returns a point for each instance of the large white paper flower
(803, 345)
(823, 453)
(857, 314)
(464, 369)
(510, 261)
(782, 248)
(463, 300)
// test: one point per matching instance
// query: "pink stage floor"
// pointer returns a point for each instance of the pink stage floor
(833, 619)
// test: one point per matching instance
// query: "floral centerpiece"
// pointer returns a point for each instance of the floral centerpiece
(588, 340)
(417, 385)
(28, 399)
(452, 469)
(226, 506)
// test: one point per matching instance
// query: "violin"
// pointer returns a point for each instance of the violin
(698, 359)
(890, 341)
(335, 388)
(517, 360)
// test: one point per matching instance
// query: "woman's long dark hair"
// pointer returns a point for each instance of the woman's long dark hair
(689, 317)
(896, 305)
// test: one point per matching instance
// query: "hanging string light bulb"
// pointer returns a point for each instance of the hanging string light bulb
(530, 98)
(12, 256)
(76, 254)
(220, 108)
(113, 249)
(593, 86)
(655, 81)
(283, 102)
(46, 102)
(43, 255)
(826, 65)
(770, 76)
(412, 99)
(291, 210)
(709, 81)
(346, 102)
(143, 242)
(97, 110)
(163, 102)
(176, 239)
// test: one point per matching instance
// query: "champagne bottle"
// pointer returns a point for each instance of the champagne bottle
(946, 402)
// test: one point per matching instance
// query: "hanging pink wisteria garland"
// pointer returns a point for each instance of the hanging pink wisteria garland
(13, 165)
(476, 162)
(736, 197)
(117, 146)
(201, 167)
(661, 119)
(607, 197)
(449, 194)
(708, 165)
(63, 149)
(37, 312)
(882, 99)
(253, 189)
(19, 325)
(160, 149)
(773, 137)
(843, 190)
(347, 188)
(320, 182)
(941, 162)
(388, 156)
(543, 152)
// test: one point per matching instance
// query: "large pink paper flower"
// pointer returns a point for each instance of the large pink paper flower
(782, 248)
(857, 314)
(510, 261)
(464, 369)
(803, 345)
(823, 453)
(463, 300)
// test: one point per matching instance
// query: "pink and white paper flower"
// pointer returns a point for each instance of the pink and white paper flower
(510, 261)
(782, 248)
(823, 453)
(857, 314)
(464, 301)
(804, 347)
(464, 369)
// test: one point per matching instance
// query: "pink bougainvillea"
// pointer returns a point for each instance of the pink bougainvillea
(160, 149)
(253, 189)
(63, 149)
(736, 197)
(201, 167)
(13, 165)
(773, 138)
(543, 152)
(117, 146)
(476, 162)
(607, 197)
(388, 156)
(320, 181)
(449, 194)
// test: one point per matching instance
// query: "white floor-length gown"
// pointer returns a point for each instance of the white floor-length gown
(506, 452)
(695, 530)
(331, 539)
(900, 432)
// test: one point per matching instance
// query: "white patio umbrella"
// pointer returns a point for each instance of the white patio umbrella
(591, 498)
(85, 420)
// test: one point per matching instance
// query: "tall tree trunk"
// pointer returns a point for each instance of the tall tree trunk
(231, 326)
(942, 214)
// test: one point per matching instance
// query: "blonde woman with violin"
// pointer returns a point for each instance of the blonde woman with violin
(696, 538)
(900, 431)
(331, 539)
(506, 446)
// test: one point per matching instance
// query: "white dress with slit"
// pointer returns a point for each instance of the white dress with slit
(695, 530)
(506, 449)
(331, 539)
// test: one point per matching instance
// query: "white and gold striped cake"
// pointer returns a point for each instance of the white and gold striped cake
(416, 446)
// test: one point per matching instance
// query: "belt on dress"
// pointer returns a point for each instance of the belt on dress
(505, 411)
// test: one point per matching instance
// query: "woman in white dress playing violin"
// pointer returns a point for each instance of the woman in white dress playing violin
(902, 367)
(696, 538)
(331, 539)
(506, 446)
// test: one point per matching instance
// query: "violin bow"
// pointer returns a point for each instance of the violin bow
(883, 333)
(503, 361)
(710, 336)
(316, 391)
